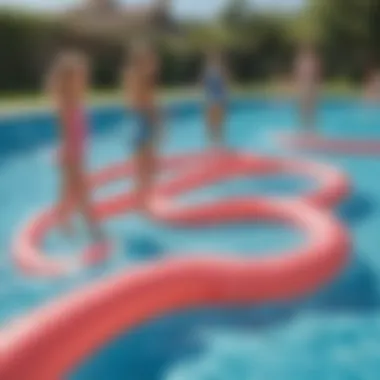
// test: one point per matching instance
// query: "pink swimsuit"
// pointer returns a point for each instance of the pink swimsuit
(74, 149)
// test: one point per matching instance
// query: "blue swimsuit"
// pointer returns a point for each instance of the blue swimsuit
(215, 86)
(143, 128)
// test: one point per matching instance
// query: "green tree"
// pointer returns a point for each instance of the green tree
(235, 13)
(349, 31)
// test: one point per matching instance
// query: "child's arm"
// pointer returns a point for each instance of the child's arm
(125, 84)
(319, 70)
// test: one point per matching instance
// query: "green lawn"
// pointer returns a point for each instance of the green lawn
(25, 102)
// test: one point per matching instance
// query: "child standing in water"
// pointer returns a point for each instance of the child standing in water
(140, 82)
(307, 77)
(216, 91)
(67, 84)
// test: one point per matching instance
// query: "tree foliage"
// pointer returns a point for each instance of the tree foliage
(349, 32)
(258, 45)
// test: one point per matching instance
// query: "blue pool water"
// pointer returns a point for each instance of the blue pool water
(333, 334)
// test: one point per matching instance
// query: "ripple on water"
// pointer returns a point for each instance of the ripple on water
(310, 347)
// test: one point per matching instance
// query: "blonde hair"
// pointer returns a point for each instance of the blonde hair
(65, 64)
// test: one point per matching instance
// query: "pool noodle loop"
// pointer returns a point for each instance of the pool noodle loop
(52, 340)
(317, 143)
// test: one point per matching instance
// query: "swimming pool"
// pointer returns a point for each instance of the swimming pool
(333, 334)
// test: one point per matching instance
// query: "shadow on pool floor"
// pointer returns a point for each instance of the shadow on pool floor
(147, 352)
(356, 208)
(143, 247)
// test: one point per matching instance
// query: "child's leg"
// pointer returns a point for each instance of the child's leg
(65, 205)
(82, 199)
(307, 112)
(145, 170)
(215, 116)
(305, 115)
(144, 143)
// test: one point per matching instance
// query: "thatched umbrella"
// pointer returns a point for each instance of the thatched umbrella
(111, 20)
